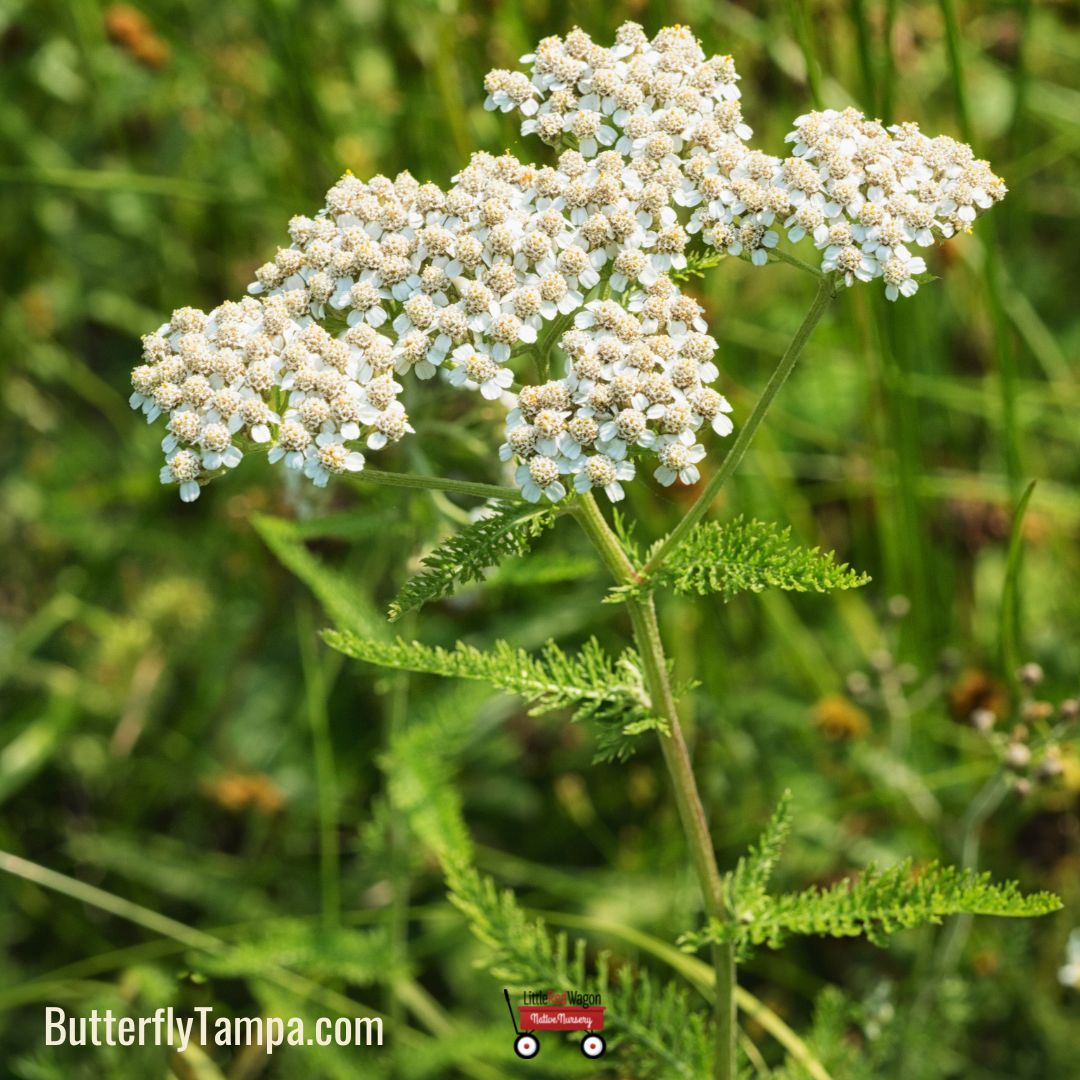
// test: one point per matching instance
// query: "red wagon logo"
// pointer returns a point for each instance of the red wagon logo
(532, 1019)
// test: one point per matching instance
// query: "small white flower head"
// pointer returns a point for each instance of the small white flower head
(1069, 972)
(678, 461)
(540, 476)
(183, 467)
(474, 368)
(605, 472)
(330, 456)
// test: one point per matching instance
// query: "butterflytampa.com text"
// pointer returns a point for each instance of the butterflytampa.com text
(166, 1027)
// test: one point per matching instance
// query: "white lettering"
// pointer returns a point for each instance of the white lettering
(55, 1035)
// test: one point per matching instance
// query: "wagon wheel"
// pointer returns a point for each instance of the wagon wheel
(593, 1046)
(527, 1045)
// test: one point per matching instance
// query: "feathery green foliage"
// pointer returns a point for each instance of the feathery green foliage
(421, 765)
(609, 693)
(359, 957)
(662, 1023)
(750, 556)
(874, 905)
(747, 884)
(831, 1040)
(509, 530)
(668, 1034)
(697, 264)
(338, 594)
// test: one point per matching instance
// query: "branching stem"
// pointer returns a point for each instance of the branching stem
(438, 483)
(825, 293)
(642, 611)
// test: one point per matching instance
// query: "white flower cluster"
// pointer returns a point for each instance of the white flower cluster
(637, 385)
(265, 373)
(396, 279)
(670, 111)
(866, 195)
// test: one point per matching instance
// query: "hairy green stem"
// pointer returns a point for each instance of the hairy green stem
(825, 293)
(607, 544)
(695, 825)
(650, 646)
(680, 768)
(793, 260)
(438, 483)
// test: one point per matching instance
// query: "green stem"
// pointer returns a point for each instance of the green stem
(299, 986)
(680, 768)
(438, 483)
(607, 544)
(150, 920)
(866, 61)
(695, 824)
(794, 260)
(825, 293)
(994, 265)
(888, 74)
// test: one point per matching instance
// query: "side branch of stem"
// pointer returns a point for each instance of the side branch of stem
(437, 483)
(822, 299)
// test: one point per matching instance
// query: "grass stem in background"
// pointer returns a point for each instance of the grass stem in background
(804, 35)
(316, 693)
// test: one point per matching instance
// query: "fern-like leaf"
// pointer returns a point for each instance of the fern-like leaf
(746, 886)
(663, 1024)
(751, 556)
(667, 1033)
(360, 957)
(875, 905)
(338, 594)
(594, 687)
(508, 530)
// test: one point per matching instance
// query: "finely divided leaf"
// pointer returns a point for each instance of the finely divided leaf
(509, 530)
(750, 556)
(664, 1024)
(360, 957)
(746, 885)
(876, 904)
(347, 605)
(595, 687)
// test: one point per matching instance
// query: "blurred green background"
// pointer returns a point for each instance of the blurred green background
(170, 729)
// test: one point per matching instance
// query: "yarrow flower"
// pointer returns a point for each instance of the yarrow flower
(573, 266)
(635, 385)
(868, 195)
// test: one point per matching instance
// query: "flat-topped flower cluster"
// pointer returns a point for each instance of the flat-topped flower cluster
(567, 271)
